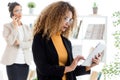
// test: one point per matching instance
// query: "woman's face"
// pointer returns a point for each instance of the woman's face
(67, 21)
(17, 12)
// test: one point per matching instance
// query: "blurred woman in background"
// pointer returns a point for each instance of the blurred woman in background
(17, 55)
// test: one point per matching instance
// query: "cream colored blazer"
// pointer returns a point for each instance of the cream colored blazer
(10, 53)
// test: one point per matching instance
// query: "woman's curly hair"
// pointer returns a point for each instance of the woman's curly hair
(50, 19)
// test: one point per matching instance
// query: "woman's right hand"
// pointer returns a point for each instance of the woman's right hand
(74, 64)
(15, 21)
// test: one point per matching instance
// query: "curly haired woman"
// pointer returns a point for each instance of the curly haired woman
(52, 51)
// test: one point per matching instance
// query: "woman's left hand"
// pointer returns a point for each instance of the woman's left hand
(95, 61)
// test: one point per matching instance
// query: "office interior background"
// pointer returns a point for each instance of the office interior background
(84, 8)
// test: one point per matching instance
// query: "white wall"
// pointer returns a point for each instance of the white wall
(83, 7)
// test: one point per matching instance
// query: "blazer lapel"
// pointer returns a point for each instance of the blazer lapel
(69, 50)
(67, 46)
(26, 33)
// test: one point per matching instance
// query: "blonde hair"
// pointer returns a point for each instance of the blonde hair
(50, 19)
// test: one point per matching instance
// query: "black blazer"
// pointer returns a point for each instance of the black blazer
(47, 63)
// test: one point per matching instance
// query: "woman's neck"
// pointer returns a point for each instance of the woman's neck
(58, 33)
